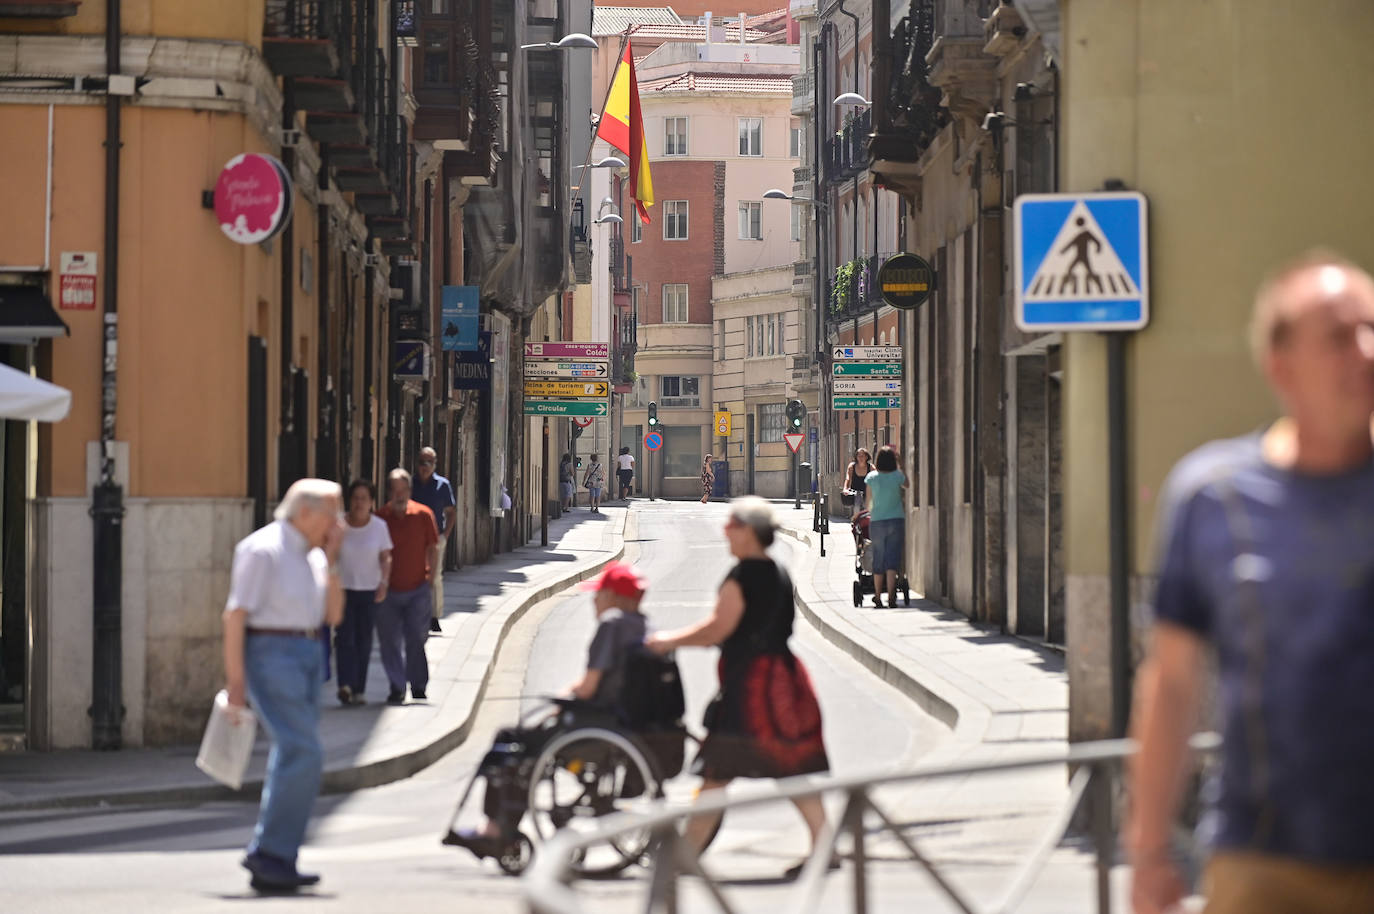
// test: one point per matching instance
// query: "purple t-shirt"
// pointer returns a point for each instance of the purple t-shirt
(1276, 570)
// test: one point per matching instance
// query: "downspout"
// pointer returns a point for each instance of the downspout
(107, 502)
(855, 209)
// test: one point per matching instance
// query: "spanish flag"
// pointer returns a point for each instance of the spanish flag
(622, 125)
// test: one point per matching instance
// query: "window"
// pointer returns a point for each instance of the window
(636, 229)
(781, 320)
(675, 303)
(794, 143)
(772, 336)
(751, 221)
(796, 224)
(675, 220)
(437, 56)
(680, 390)
(682, 451)
(772, 421)
(751, 136)
(675, 136)
(749, 337)
(758, 334)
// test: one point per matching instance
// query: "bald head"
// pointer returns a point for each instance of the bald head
(1315, 280)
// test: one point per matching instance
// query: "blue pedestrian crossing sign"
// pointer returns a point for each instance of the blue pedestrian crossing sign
(1082, 262)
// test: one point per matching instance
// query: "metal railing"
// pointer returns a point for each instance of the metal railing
(547, 885)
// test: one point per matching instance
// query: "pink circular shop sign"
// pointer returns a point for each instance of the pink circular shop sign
(253, 198)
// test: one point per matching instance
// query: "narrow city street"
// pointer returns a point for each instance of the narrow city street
(379, 849)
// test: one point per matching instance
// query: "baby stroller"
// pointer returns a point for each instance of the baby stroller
(863, 565)
(577, 763)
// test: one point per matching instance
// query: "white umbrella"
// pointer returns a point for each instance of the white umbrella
(26, 397)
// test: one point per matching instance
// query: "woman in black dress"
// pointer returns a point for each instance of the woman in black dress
(765, 721)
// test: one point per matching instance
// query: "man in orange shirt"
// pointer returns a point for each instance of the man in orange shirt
(403, 618)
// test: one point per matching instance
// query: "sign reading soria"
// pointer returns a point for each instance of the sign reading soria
(253, 198)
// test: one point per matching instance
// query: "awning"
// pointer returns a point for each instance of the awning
(26, 397)
(27, 315)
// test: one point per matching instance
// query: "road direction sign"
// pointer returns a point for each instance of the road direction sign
(566, 408)
(868, 369)
(887, 386)
(570, 351)
(1081, 262)
(793, 439)
(583, 422)
(535, 368)
(653, 440)
(567, 389)
(868, 353)
(852, 402)
(723, 424)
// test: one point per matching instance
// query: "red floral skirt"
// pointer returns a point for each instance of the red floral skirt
(764, 723)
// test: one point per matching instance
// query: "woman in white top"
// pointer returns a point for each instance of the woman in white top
(625, 470)
(364, 569)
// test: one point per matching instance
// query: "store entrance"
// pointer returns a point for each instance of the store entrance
(14, 541)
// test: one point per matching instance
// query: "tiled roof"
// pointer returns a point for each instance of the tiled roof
(697, 33)
(611, 20)
(735, 85)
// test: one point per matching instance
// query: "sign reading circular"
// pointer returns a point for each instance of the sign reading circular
(253, 198)
(906, 281)
(653, 441)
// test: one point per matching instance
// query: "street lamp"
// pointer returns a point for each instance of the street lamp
(851, 98)
(608, 162)
(774, 193)
(608, 219)
(567, 42)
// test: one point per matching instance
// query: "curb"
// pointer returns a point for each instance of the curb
(370, 774)
(966, 718)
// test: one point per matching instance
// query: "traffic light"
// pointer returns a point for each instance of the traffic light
(653, 414)
(796, 413)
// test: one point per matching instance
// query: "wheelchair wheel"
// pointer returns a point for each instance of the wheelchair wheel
(585, 774)
(906, 593)
(858, 593)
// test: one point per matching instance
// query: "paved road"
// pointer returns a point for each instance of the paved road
(378, 849)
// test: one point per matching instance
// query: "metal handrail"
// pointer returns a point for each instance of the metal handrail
(547, 884)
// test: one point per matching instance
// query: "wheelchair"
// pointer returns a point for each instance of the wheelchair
(567, 770)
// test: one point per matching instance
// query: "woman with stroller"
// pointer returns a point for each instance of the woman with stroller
(886, 522)
(765, 721)
(854, 485)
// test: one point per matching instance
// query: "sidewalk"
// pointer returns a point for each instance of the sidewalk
(364, 746)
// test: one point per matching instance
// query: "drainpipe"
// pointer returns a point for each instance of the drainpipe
(107, 501)
(855, 19)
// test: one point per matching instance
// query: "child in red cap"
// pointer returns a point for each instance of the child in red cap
(620, 627)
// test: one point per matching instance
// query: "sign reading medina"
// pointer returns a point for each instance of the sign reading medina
(253, 198)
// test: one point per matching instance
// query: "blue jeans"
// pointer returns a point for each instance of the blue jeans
(354, 639)
(403, 621)
(887, 537)
(283, 678)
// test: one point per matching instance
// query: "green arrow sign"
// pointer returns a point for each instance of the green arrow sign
(866, 403)
(872, 369)
(565, 408)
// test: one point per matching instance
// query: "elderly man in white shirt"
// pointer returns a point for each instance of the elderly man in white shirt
(284, 585)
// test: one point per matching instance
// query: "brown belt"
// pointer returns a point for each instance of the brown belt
(286, 632)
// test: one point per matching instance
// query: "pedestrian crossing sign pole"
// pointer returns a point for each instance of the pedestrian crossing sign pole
(1081, 262)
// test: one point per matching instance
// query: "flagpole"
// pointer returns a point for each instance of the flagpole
(610, 84)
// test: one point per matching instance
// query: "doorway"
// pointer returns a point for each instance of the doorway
(15, 484)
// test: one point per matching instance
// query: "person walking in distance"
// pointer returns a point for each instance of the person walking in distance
(708, 477)
(625, 470)
(765, 721)
(403, 618)
(1266, 569)
(364, 569)
(594, 480)
(435, 493)
(567, 482)
(886, 522)
(284, 584)
(855, 489)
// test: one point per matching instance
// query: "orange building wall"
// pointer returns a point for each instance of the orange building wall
(239, 20)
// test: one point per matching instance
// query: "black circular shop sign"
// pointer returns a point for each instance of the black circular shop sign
(906, 281)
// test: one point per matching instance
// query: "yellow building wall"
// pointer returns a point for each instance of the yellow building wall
(240, 20)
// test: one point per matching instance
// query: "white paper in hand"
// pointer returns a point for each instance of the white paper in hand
(227, 746)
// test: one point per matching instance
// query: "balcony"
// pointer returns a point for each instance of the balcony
(803, 93)
(913, 115)
(847, 151)
(854, 289)
(617, 263)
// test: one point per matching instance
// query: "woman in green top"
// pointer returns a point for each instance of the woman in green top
(886, 522)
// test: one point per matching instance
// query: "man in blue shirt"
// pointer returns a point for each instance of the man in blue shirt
(435, 493)
(1266, 561)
